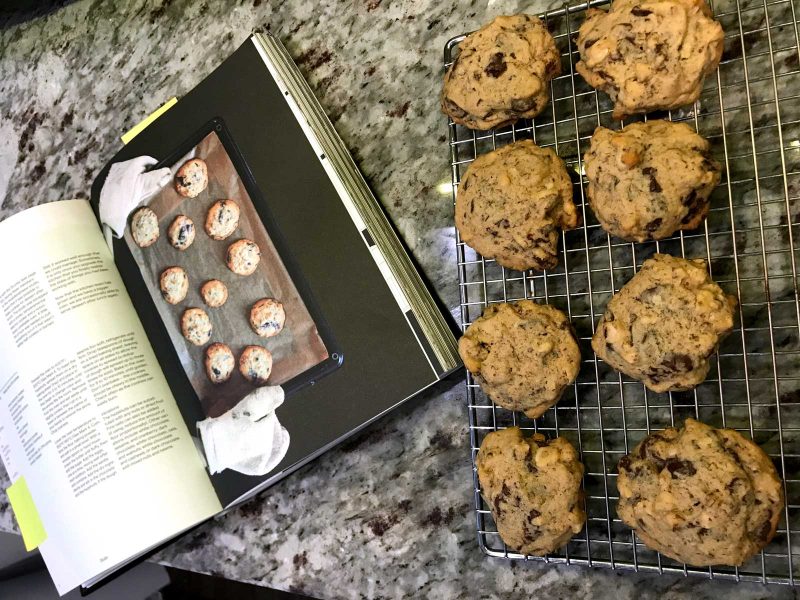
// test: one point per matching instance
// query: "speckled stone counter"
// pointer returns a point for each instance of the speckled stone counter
(389, 513)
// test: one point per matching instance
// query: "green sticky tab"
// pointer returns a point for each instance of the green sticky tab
(30, 524)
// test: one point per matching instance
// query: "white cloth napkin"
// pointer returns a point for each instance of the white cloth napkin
(128, 185)
(248, 438)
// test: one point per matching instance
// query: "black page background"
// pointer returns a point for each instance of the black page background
(383, 363)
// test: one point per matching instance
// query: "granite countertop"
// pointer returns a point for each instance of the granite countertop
(389, 513)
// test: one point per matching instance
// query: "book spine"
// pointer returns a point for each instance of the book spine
(423, 315)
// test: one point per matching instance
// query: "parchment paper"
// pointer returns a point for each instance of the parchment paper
(296, 349)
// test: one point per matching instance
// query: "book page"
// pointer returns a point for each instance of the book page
(86, 415)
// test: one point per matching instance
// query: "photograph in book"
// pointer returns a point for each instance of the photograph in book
(214, 258)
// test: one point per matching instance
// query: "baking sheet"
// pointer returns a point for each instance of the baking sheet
(296, 349)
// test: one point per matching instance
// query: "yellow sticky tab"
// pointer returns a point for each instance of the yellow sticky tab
(137, 129)
(30, 524)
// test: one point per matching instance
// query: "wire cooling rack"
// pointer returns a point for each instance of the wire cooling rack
(750, 111)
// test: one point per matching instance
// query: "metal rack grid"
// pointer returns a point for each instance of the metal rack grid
(750, 111)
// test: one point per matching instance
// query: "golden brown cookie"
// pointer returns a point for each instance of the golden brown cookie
(700, 495)
(513, 203)
(665, 323)
(214, 293)
(502, 73)
(523, 354)
(174, 284)
(219, 363)
(255, 364)
(144, 227)
(243, 257)
(196, 326)
(533, 488)
(267, 317)
(649, 55)
(191, 178)
(650, 179)
(181, 232)
(222, 219)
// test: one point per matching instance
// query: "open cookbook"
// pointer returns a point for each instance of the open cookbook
(252, 311)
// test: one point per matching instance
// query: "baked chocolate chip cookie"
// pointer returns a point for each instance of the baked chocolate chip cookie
(196, 326)
(700, 495)
(191, 178)
(214, 293)
(181, 232)
(243, 257)
(174, 284)
(267, 317)
(220, 363)
(255, 364)
(650, 179)
(512, 204)
(649, 54)
(144, 227)
(665, 323)
(222, 219)
(502, 73)
(533, 488)
(523, 354)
